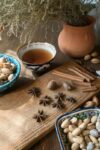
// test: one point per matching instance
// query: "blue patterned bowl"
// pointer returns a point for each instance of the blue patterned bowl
(79, 114)
(9, 84)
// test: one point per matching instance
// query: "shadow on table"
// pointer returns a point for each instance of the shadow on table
(17, 95)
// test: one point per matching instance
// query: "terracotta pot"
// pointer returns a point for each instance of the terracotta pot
(77, 41)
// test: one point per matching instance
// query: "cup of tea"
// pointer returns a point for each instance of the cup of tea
(37, 56)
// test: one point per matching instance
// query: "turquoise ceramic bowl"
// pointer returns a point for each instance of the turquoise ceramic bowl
(9, 84)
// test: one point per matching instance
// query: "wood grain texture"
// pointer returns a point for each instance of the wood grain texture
(17, 126)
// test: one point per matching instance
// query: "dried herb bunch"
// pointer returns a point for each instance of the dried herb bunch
(21, 17)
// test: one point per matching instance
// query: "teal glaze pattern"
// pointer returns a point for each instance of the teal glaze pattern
(9, 84)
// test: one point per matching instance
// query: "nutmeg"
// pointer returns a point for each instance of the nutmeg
(52, 85)
(68, 86)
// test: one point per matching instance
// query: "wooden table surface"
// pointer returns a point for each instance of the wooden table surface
(49, 142)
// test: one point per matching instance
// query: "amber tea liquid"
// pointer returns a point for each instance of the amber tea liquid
(38, 56)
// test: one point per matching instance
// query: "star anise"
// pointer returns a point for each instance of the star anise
(40, 116)
(58, 104)
(71, 99)
(60, 97)
(47, 100)
(36, 92)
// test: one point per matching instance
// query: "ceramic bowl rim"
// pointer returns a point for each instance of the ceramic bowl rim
(3, 86)
(66, 115)
(37, 43)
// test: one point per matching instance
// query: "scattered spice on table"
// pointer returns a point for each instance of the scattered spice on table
(60, 97)
(58, 104)
(46, 100)
(36, 92)
(40, 116)
(71, 99)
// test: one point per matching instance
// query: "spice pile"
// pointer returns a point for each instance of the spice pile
(7, 70)
(58, 101)
(83, 131)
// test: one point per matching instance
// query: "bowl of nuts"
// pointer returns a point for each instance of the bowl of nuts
(79, 130)
(9, 71)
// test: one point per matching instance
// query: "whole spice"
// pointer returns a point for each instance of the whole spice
(47, 100)
(58, 104)
(94, 54)
(40, 116)
(95, 61)
(87, 57)
(36, 92)
(71, 99)
(52, 85)
(60, 97)
(68, 86)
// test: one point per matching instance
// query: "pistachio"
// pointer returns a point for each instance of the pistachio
(65, 123)
(80, 122)
(1, 65)
(7, 65)
(89, 104)
(95, 61)
(87, 120)
(90, 146)
(94, 133)
(93, 139)
(95, 100)
(90, 126)
(71, 128)
(76, 132)
(10, 77)
(74, 120)
(94, 119)
(75, 146)
(87, 139)
(3, 60)
(85, 132)
(99, 140)
(6, 71)
(98, 125)
(83, 126)
(87, 57)
(13, 67)
(94, 54)
(78, 139)
(70, 137)
(83, 145)
(66, 130)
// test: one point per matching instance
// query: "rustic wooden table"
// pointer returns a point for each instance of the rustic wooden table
(49, 142)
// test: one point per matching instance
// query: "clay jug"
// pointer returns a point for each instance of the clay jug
(77, 41)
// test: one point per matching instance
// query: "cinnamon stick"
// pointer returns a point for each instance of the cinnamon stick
(80, 74)
(83, 73)
(67, 76)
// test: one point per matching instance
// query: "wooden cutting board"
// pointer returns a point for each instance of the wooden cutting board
(18, 129)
